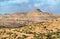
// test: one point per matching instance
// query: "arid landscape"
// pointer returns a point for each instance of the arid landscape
(30, 25)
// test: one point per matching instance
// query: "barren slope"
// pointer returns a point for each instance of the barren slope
(21, 19)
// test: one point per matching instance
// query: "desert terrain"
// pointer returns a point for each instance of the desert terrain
(30, 25)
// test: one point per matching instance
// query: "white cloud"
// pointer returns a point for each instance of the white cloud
(15, 1)
(19, 1)
(47, 2)
(37, 4)
(47, 5)
(52, 2)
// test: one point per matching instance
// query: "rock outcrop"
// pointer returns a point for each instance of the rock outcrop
(22, 19)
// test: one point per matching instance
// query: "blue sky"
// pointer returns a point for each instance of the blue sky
(11, 6)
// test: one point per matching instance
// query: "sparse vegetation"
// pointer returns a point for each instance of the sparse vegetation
(32, 25)
(33, 31)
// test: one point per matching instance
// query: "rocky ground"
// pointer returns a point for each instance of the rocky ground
(17, 20)
(30, 25)
(42, 30)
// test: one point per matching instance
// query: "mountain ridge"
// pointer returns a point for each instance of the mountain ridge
(21, 19)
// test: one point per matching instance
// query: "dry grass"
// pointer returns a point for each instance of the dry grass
(42, 30)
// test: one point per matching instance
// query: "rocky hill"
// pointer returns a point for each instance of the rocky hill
(30, 25)
(42, 30)
(27, 18)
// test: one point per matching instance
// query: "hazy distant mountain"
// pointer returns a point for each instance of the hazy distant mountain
(21, 19)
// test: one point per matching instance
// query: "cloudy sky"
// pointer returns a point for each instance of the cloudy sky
(11, 6)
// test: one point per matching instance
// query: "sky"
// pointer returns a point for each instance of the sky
(12, 6)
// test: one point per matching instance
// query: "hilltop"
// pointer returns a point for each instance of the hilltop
(21, 19)
(30, 25)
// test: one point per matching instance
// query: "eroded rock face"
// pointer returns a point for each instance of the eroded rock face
(22, 19)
